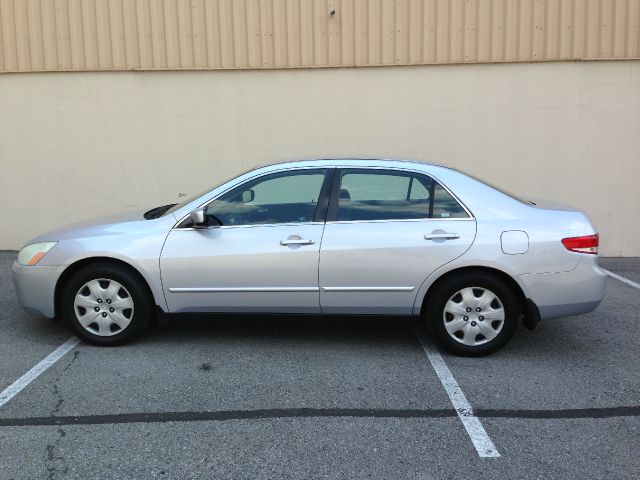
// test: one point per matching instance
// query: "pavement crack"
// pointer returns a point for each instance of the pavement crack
(56, 463)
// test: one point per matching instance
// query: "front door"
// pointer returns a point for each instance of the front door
(264, 257)
(386, 232)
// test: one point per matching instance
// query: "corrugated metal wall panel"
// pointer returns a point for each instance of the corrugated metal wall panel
(37, 35)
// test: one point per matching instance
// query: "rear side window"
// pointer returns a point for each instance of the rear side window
(392, 195)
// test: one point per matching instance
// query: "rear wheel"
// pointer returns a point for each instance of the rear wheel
(472, 314)
(106, 305)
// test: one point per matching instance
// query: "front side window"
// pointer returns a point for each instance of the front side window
(288, 197)
(368, 195)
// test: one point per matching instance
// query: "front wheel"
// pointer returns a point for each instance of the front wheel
(106, 305)
(472, 314)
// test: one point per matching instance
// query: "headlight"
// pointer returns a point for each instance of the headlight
(31, 254)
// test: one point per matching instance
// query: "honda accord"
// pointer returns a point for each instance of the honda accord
(363, 237)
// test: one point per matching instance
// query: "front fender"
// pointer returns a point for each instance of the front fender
(149, 269)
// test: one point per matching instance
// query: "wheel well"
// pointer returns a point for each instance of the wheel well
(74, 267)
(505, 277)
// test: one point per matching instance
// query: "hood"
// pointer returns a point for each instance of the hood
(107, 225)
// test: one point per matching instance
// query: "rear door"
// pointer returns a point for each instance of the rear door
(386, 231)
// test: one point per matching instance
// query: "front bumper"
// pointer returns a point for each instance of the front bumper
(35, 287)
(567, 293)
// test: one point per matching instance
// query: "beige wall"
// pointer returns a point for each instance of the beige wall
(210, 34)
(83, 144)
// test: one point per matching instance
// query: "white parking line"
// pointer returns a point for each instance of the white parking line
(17, 386)
(622, 279)
(473, 426)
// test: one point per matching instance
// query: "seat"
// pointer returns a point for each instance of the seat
(344, 213)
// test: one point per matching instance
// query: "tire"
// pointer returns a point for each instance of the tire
(454, 321)
(106, 305)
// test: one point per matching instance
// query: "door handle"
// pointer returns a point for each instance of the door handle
(296, 241)
(441, 236)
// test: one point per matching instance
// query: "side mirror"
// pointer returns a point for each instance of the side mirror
(197, 217)
(248, 196)
(200, 220)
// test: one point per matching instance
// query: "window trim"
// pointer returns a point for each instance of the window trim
(332, 213)
(322, 204)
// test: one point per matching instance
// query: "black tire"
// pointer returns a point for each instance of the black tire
(140, 315)
(434, 312)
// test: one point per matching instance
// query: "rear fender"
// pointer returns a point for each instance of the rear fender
(461, 264)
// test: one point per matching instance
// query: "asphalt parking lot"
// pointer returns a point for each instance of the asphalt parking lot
(335, 398)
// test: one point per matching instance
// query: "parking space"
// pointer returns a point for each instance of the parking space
(272, 397)
(196, 365)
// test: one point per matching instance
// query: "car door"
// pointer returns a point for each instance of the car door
(386, 231)
(264, 255)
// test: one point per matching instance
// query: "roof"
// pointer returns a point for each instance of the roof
(352, 160)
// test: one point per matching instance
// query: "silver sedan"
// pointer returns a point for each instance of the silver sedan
(373, 237)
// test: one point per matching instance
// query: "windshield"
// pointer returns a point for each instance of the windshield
(191, 198)
(187, 200)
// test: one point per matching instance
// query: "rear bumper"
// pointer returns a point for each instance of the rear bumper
(567, 293)
(35, 288)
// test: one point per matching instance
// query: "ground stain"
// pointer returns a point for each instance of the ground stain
(204, 366)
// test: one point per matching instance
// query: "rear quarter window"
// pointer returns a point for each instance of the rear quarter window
(444, 205)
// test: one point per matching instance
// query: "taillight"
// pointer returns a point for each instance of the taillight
(586, 244)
